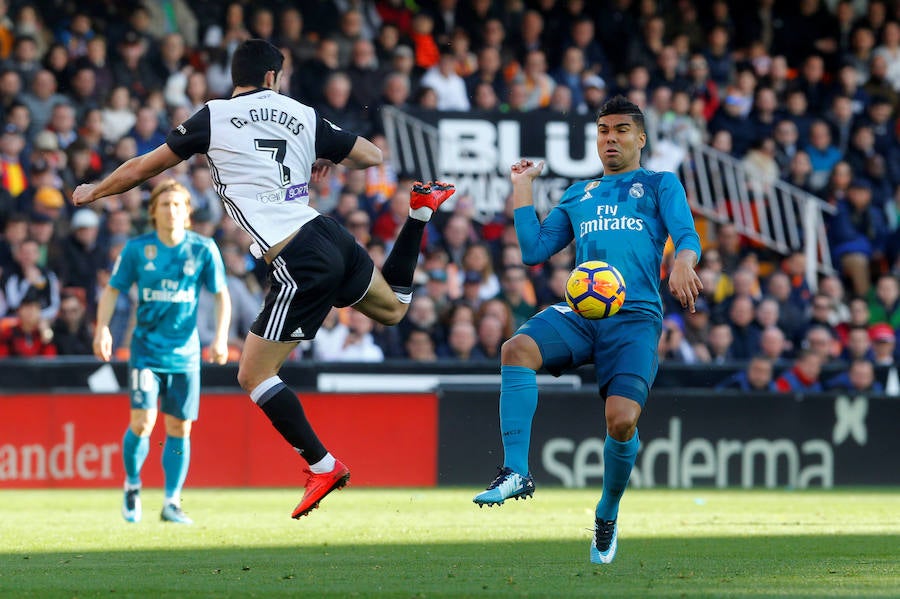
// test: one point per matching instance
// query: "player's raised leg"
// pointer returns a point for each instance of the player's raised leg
(520, 359)
(400, 265)
(135, 447)
(258, 375)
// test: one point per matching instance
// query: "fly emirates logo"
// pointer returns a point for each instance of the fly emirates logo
(608, 219)
(170, 293)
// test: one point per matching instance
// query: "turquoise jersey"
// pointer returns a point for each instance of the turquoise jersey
(168, 282)
(623, 219)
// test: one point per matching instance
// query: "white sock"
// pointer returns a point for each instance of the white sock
(324, 465)
(423, 214)
(130, 487)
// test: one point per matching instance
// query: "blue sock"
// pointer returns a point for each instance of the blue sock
(518, 401)
(618, 459)
(134, 452)
(175, 461)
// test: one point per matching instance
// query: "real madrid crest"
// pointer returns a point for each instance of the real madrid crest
(592, 185)
(636, 191)
(150, 252)
(190, 267)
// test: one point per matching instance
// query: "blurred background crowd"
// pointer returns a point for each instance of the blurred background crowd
(802, 91)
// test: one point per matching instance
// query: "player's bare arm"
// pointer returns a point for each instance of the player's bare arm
(684, 283)
(218, 350)
(522, 174)
(132, 172)
(102, 337)
(363, 155)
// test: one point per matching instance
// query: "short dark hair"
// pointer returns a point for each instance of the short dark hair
(252, 60)
(621, 105)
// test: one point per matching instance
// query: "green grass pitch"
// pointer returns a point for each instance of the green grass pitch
(436, 543)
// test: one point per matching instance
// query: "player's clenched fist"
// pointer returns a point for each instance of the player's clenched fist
(83, 194)
(525, 171)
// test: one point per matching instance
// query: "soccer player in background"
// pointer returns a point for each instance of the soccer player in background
(169, 266)
(624, 219)
(264, 149)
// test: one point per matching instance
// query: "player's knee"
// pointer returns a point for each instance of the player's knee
(620, 426)
(247, 380)
(520, 350)
(395, 314)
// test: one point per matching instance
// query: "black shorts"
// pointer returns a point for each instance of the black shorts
(321, 267)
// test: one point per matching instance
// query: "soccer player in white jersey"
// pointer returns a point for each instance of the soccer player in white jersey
(264, 149)
(168, 266)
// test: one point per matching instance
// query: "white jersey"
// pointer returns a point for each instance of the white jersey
(261, 147)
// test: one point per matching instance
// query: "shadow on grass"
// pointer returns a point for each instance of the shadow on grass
(801, 566)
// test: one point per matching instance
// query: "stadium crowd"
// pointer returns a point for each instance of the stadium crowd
(806, 92)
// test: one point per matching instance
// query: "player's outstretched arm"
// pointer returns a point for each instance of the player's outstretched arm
(684, 283)
(102, 336)
(522, 174)
(363, 154)
(132, 172)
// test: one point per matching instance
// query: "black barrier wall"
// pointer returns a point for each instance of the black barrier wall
(687, 440)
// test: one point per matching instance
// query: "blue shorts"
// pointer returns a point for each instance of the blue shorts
(623, 344)
(175, 393)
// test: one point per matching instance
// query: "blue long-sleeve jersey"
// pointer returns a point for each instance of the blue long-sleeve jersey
(623, 219)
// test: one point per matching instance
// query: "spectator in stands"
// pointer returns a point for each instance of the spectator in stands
(146, 132)
(448, 86)
(366, 75)
(423, 315)
(856, 235)
(419, 346)
(823, 154)
(785, 136)
(29, 335)
(513, 283)
(72, 333)
(803, 375)
(81, 255)
(337, 106)
(490, 334)
(672, 346)
(40, 99)
(133, 69)
(13, 174)
(744, 332)
(774, 344)
(884, 301)
(820, 339)
(26, 279)
(858, 345)
(728, 245)
(25, 58)
(719, 343)
(757, 376)
(358, 223)
(859, 378)
(488, 71)
(884, 343)
(462, 338)
(477, 258)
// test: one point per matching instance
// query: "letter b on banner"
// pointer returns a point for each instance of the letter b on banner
(468, 146)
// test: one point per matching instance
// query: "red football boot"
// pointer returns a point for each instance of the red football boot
(320, 485)
(430, 195)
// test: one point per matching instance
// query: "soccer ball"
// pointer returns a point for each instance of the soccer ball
(595, 290)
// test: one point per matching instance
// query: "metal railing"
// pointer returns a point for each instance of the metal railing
(777, 215)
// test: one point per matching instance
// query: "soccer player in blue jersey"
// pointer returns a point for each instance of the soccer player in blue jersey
(623, 218)
(168, 266)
